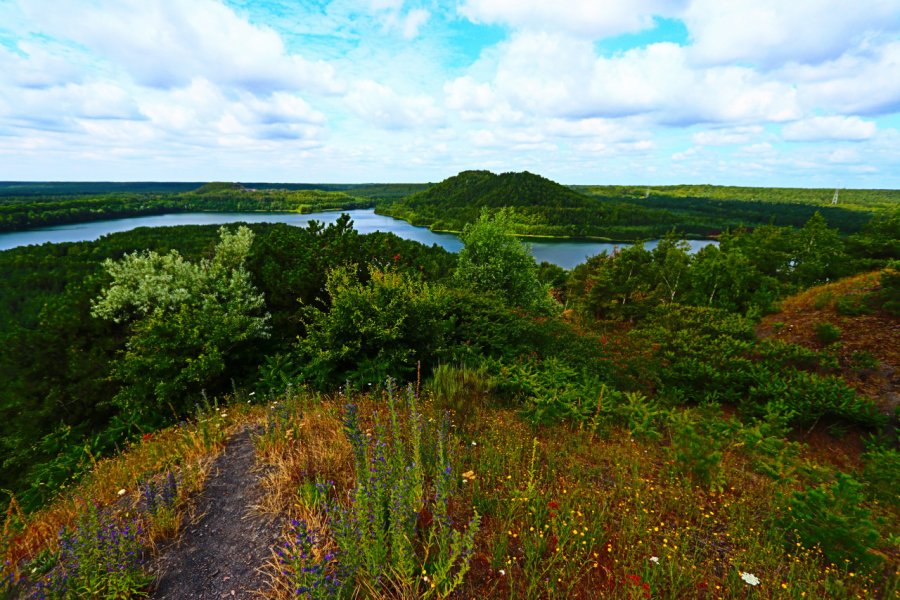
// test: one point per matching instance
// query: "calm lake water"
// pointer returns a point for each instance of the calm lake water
(563, 253)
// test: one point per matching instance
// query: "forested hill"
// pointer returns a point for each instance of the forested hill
(540, 207)
(483, 188)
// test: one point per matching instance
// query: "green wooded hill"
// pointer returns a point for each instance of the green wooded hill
(540, 207)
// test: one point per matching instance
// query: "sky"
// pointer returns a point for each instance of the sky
(800, 93)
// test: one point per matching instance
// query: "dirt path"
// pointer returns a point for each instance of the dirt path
(221, 553)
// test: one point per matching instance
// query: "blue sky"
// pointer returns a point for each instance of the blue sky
(745, 92)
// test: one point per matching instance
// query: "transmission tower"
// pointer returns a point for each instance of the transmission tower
(835, 198)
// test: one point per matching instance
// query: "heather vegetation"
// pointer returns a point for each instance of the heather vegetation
(434, 425)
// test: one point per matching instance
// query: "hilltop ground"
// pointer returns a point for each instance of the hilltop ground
(865, 343)
(668, 503)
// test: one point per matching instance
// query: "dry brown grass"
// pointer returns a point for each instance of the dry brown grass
(115, 482)
(306, 443)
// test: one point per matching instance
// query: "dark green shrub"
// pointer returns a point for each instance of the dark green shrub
(863, 360)
(821, 300)
(552, 391)
(779, 354)
(832, 517)
(700, 354)
(372, 330)
(881, 472)
(696, 452)
(852, 306)
(810, 397)
(827, 333)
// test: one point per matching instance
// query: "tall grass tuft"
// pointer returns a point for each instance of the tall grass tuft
(395, 535)
(460, 391)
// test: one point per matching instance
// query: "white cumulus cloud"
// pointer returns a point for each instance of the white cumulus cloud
(770, 33)
(727, 136)
(167, 43)
(562, 76)
(817, 129)
(382, 106)
(413, 21)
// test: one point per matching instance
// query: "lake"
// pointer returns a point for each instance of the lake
(566, 254)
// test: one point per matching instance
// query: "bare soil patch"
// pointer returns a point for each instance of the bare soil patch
(222, 553)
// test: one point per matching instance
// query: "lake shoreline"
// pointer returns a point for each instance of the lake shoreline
(564, 252)
(367, 205)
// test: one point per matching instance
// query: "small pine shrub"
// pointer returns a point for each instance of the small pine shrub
(863, 360)
(881, 472)
(642, 416)
(554, 391)
(822, 300)
(832, 517)
(697, 453)
(827, 333)
(764, 442)
(810, 397)
(852, 306)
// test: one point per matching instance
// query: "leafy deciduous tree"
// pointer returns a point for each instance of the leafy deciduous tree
(188, 321)
(494, 261)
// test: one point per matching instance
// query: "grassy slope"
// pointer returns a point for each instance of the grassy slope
(874, 333)
(565, 512)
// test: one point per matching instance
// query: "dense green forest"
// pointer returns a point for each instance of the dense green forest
(24, 212)
(57, 360)
(540, 207)
(63, 367)
(853, 199)
(73, 188)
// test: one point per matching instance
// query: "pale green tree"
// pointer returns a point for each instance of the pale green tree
(188, 322)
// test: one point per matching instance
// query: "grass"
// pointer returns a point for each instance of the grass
(566, 512)
(117, 486)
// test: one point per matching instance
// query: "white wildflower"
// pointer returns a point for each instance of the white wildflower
(750, 578)
(654, 559)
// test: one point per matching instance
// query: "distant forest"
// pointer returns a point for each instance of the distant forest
(539, 207)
